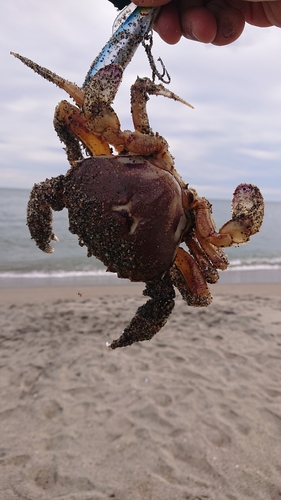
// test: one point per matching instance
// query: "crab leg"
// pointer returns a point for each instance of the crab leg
(44, 198)
(247, 214)
(103, 121)
(71, 127)
(216, 254)
(151, 316)
(139, 97)
(99, 94)
(73, 118)
(247, 217)
(208, 262)
(189, 280)
(71, 88)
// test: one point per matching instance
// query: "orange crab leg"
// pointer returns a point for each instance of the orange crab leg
(73, 90)
(216, 254)
(69, 116)
(205, 224)
(140, 90)
(203, 259)
(191, 273)
(247, 217)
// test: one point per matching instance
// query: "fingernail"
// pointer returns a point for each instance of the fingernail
(189, 33)
(228, 30)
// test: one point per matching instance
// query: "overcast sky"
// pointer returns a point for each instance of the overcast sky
(233, 135)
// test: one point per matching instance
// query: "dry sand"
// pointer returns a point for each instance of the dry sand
(193, 414)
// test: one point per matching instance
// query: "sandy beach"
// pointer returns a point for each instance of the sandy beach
(193, 414)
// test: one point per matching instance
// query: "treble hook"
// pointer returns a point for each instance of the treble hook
(147, 43)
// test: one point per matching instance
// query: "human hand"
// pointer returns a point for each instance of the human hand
(211, 21)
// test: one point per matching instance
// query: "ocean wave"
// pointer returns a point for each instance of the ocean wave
(55, 274)
(234, 265)
(261, 267)
(254, 264)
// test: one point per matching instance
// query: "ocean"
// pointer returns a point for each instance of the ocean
(22, 264)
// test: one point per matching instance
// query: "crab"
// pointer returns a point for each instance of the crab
(130, 207)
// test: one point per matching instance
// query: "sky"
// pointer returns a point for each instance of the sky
(233, 135)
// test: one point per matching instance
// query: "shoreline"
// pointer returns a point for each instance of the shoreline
(228, 277)
(42, 295)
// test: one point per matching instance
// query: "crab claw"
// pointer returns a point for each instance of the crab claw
(103, 87)
(44, 198)
(247, 217)
(99, 94)
(247, 214)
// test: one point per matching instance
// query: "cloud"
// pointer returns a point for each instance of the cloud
(233, 134)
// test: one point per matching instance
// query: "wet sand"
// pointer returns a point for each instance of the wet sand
(193, 414)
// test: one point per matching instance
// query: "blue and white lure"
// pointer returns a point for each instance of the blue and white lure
(129, 31)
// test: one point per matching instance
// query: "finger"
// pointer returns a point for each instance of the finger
(273, 12)
(168, 24)
(263, 14)
(150, 3)
(230, 24)
(198, 23)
